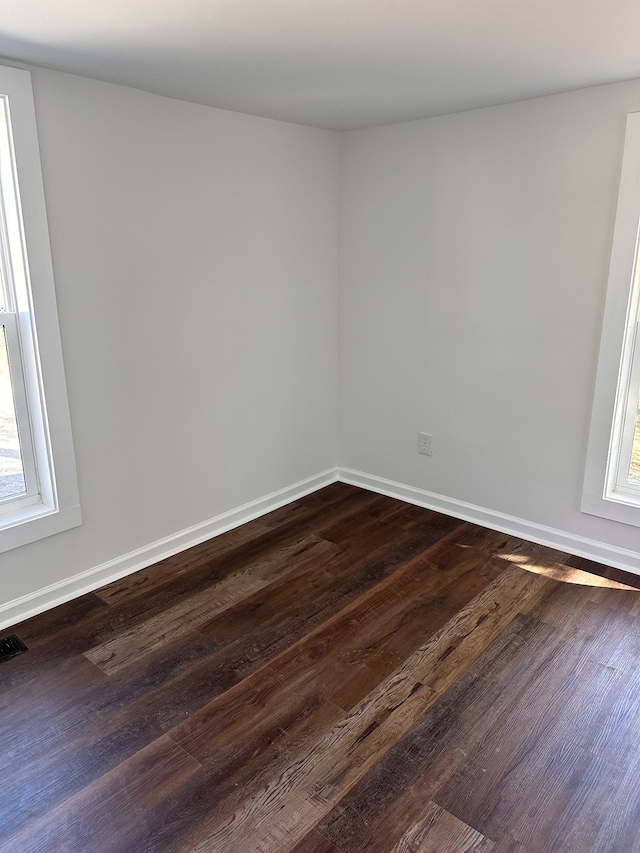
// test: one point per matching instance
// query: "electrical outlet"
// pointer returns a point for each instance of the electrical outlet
(424, 443)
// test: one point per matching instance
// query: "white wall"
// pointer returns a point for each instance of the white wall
(195, 260)
(474, 255)
(196, 267)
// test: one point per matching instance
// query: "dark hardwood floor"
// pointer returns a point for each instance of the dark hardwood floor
(346, 674)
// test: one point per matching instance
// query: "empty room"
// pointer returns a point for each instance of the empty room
(319, 427)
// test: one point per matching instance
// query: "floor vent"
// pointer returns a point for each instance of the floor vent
(10, 647)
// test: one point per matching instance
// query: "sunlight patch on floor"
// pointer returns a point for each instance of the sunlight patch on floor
(566, 574)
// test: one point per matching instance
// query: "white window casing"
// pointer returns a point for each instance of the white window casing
(609, 491)
(50, 503)
(9, 324)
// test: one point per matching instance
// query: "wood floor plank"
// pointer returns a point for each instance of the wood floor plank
(440, 832)
(206, 564)
(60, 684)
(347, 674)
(241, 716)
(50, 623)
(236, 549)
(375, 644)
(616, 730)
(224, 785)
(271, 615)
(129, 646)
(508, 844)
(603, 814)
(391, 795)
(350, 636)
(197, 584)
(150, 710)
(59, 749)
(308, 790)
(534, 739)
(381, 515)
(315, 843)
(99, 818)
(178, 565)
(554, 769)
(414, 585)
(608, 572)
(52, 638)
(520, 552)
(297, 584)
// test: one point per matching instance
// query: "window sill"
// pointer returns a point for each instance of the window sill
(36, 522)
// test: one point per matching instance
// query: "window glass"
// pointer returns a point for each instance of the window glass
(11, 467)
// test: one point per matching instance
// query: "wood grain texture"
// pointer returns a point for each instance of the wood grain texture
(348, 674)
(174, 621)
(100, 817)
(315, 843)
(440, 832)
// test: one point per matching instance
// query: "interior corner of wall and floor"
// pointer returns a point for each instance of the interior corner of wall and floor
(246, 303)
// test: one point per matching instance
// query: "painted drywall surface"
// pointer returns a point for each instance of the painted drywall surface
(194, 254)
(474, 254)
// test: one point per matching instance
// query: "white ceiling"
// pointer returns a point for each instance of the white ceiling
(332, 63)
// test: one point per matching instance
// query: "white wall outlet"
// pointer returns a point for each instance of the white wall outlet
(424, 443)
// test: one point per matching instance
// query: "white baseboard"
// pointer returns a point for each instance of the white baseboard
(29, 605)
(600, 552)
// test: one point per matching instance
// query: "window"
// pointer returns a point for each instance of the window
(612, 480)
(623, 469)
(38, 487)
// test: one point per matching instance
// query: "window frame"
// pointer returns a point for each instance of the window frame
(618, 485)
(9, 322)
(607, 491)
(51, 504)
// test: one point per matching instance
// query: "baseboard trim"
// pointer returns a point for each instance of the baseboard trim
(43, 599)
(50, 596)
(600, 552)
